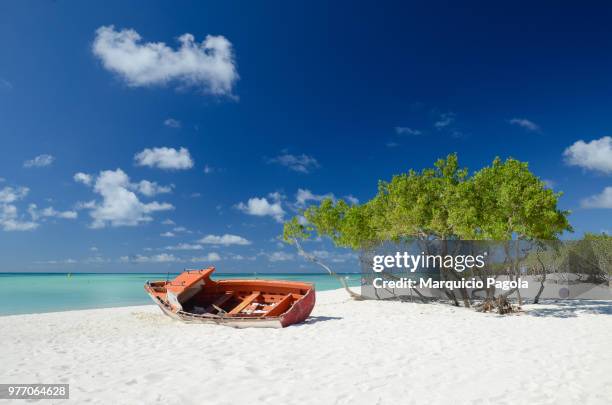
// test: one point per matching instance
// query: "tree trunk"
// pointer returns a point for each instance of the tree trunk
(313, 259)
(517, 271)
(536, 300)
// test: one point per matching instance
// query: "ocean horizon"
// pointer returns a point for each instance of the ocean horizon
(27, 293)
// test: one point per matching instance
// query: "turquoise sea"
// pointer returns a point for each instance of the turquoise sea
(25, 293)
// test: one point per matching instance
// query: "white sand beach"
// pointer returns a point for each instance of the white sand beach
(349, 352)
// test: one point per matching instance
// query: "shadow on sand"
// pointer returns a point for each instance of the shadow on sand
(315, 319)
(570, 308)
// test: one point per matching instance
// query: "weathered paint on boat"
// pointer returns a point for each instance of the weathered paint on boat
(193, 297)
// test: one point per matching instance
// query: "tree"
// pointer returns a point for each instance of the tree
(506, 201)
(500, 202)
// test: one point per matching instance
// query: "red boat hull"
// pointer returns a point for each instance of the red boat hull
(194, 297)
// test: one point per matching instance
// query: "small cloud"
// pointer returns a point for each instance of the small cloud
(299, 163)
(595, 155)
(168, 234)
(172, 123)
(50, 212)
(305, 195)
(602, 200)
(10, 219)
(208, 169)
(150, 188)
(334, 257)
(168, 222)
(525, 123)
(262, 207)
(83, 178)
(224, 240)
(211, 257)
(352, 200)
(241, 257)
(208, 65)
(55, 262)
(165, 158)
(39, 161)
(120, 206)
(9, 194)
(94, 249)
(280, 256)
(549, 183)
(160, 258)
(444, 120)
(185, 246)
(407, 131)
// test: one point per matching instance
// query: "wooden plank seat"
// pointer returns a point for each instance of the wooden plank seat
(245, 303)
(280, 307)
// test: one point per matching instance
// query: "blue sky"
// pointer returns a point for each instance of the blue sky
(191, 150)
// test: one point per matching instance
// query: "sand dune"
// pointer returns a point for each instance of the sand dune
(348, 353)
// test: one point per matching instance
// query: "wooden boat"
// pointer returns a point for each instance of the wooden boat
(193, 297)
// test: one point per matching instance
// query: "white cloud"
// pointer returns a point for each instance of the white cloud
(150, 188)
(407, 131)
(262, 207)
(160, 258)
(208, 65)
(168, 235)
(211, 257)
(444, 120)
(53, 262)
(225, 240)
(240, 257)
(144, 187)
(9, 194)
(185, 246)
(168, 222)
(96, 260)
(299, 163)
(594, 155)
(525, 123)
(83, 178)
(165, 158)
(352, 199)
(602, 200)
(172, 123)
(120, 206)
(280, 256)
(334, 257)
(50, 212)
(39, 161)
(305, 195)
(10, 220)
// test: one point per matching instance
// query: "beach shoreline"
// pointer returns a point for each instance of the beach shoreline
(347, 352)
